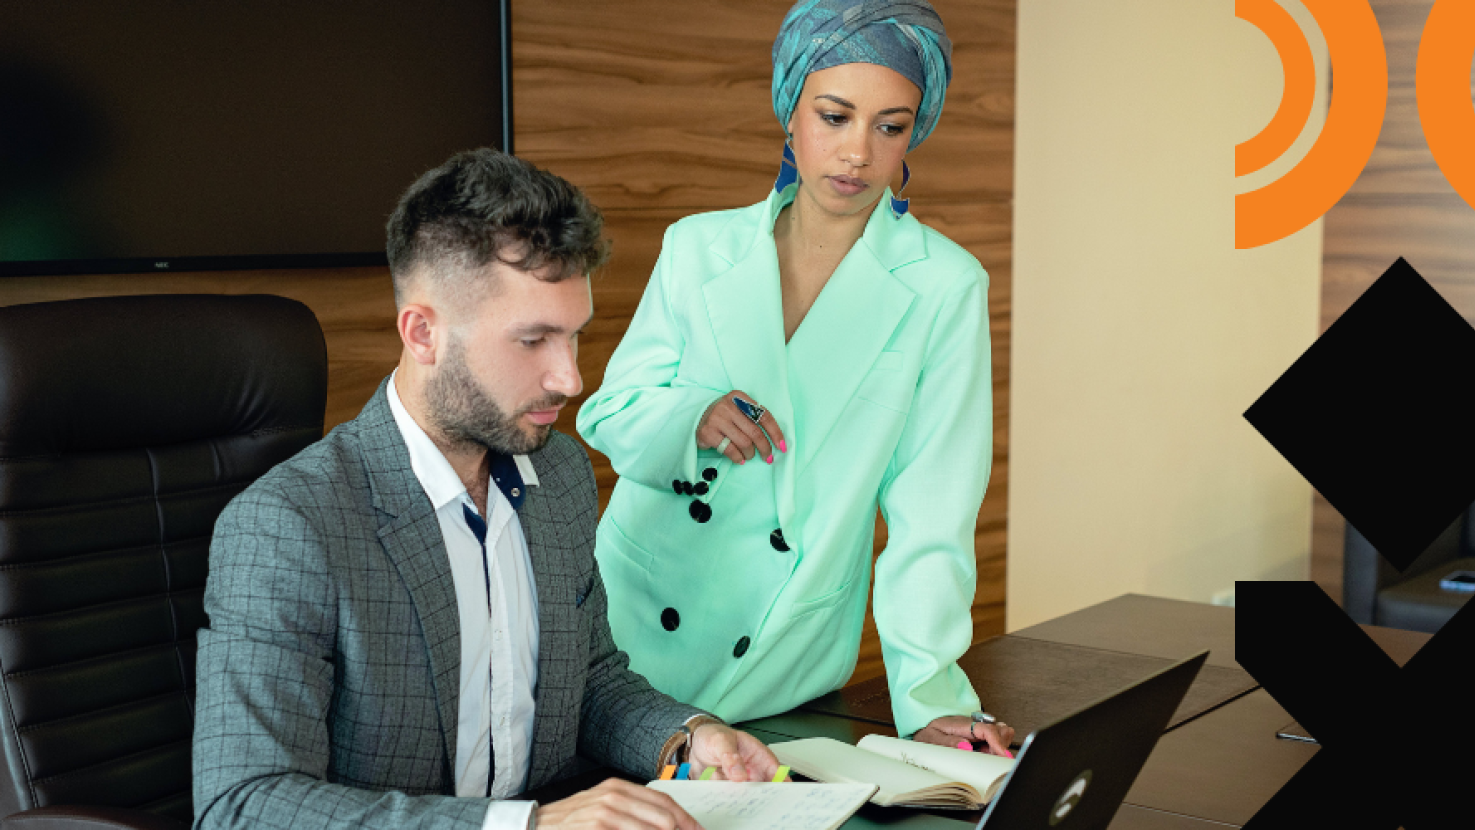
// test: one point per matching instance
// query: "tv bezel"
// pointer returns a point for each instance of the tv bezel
(249, 262)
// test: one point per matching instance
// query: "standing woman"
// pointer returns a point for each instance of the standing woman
(793, 365)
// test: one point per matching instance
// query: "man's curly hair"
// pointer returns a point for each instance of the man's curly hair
(484, 204)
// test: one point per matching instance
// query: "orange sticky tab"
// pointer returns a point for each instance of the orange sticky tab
(669, 772)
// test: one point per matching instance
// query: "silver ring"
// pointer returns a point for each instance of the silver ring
(984, 717)
(722, 447)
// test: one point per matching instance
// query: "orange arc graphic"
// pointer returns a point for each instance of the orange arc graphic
(1297, 94)
(1354, 119)
(1446, 51)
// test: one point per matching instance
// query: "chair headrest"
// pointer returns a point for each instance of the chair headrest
(117, 372)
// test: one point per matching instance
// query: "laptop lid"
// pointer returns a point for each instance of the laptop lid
(1074, 773)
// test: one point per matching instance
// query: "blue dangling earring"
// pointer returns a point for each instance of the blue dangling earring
(899, 206)
(788, 171)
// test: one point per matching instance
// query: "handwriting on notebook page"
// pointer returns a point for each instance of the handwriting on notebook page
(727, 805)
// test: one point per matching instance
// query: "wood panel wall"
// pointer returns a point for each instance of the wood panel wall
(1402, 206)
(659, 110)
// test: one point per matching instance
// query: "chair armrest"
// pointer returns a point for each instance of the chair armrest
(1365, 572)
(88, 818)
(1361, 566)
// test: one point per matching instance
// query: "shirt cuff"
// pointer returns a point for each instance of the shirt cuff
(509, 815)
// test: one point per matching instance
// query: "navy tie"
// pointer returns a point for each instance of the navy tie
(479, 529)
(476, 524)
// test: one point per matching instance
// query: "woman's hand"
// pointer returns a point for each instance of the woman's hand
(723, 420)
(616, 805)
(737, 756)
(950, 729)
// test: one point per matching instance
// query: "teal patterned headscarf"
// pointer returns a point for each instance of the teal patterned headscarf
(904, 35)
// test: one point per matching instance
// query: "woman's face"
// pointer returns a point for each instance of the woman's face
(851, 128)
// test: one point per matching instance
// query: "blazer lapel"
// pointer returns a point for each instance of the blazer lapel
(849, 325)
(410, 533)
(745, 308)
(557, 587)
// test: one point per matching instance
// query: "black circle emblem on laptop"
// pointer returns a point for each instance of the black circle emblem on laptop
(1070, 798)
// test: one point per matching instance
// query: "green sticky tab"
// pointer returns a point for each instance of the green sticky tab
(778, 777)
(708, 773)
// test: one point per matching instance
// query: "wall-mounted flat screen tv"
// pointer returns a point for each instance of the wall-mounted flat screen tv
(151, 135)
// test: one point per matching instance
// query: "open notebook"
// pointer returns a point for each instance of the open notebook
(906, 773)
(731, 805)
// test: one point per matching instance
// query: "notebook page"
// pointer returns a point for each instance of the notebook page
(732, 805)
(978, 769)
(826, 759)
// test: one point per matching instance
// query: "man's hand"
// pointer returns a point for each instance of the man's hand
(737, 756)
(950, 729)
(616, 805)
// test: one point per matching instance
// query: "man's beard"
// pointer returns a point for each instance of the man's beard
(466, 415)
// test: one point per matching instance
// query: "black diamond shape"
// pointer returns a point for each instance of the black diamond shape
(1378, 414)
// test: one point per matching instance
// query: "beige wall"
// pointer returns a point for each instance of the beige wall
(1140, 334)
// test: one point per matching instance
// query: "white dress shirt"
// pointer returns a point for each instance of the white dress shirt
(503, 638)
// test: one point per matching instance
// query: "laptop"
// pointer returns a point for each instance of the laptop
(1074, 773)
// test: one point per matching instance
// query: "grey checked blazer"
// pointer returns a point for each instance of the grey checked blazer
(329, 677)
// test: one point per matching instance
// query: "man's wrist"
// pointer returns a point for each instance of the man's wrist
(676, 750)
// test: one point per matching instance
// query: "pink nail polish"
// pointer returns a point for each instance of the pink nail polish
(1008, 754)
(769, 459)
(965, 746)
(782, 447)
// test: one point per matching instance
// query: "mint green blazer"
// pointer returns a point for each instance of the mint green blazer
(884, 393)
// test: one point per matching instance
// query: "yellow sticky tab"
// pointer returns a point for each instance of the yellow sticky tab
(778, 777)
(668, 772)
(708, 773)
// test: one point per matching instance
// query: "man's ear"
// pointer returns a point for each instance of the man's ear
(420, 329)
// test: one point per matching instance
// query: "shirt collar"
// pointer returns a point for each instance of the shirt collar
(436, 475)
(525, 469)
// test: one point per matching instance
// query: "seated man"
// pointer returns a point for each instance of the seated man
(406, 624)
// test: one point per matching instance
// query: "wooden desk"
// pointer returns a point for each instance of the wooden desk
(1044, 673)
(1213, 771)
(797, 724)
(1127, 818)
(1152, 626)
(1223, 766)
(1132, 817)
(1171, 628)
(1396, 643)
(1226, 765)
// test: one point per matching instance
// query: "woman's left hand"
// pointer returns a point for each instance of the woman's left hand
(949, 730)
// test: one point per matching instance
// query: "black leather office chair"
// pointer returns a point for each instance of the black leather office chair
(126, 425)
(1375, 593)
